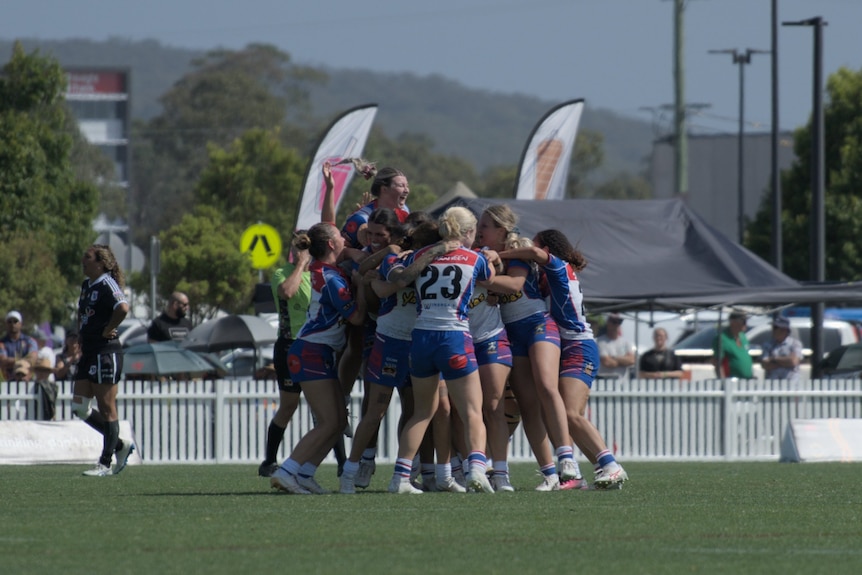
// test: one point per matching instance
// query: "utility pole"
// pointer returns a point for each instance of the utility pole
(777, 255)
(680, 131)
(740, 58)
(818, 186)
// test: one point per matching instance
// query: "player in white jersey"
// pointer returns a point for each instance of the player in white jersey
(387, 367)
(312, 357)
(535, 343)
(442, 345)
(580, 356)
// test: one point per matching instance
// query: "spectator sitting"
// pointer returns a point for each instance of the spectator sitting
(21, 370)
(44, 371)
(46, 351)
(660, 362)
(172, 324)
(16, 345)
(67, 362)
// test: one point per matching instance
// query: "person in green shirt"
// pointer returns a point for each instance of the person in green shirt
(730, 349)
(291, 290)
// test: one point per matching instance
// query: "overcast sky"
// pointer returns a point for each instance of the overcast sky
(617, 54)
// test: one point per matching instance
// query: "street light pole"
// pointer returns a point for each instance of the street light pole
(818, 186)
(741, 58)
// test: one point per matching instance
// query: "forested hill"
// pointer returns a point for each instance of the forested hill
(484, 128)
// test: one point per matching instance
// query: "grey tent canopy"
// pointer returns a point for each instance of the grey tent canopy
(659, 254)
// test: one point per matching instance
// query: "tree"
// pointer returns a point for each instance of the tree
(201, 257)
(255, 180)
(41, 200)
(843, 199)
(227, 94)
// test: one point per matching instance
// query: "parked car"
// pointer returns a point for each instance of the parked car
(843, 362)
(132, 331)
(697, 347)
(244, 363)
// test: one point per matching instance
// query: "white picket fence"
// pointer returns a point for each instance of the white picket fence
(641, 420)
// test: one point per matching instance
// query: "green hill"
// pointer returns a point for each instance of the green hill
(485, 128)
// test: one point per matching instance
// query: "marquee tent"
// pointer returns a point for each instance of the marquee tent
(659, 254)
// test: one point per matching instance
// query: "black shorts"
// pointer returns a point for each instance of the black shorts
(279, 360)
(104, 368)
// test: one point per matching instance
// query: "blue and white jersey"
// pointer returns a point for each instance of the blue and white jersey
(528, 301)
(444, 288)
(350, 231)
(485, 319)
(397, 313)
(566, 300)
(331, 304)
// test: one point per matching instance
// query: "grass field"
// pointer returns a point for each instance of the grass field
(669, 518)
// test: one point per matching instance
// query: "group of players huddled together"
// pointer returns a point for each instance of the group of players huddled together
(463, 317)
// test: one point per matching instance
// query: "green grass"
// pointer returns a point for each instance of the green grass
(670, 518)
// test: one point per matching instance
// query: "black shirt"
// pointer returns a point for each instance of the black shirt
(166, 328)
(95, 308)
(665, 360)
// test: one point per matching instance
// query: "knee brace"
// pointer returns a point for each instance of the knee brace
(82, 409)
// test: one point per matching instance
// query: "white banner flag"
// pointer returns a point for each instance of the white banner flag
(545, 163)
(345, 138)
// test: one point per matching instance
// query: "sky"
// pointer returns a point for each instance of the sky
(617, 54)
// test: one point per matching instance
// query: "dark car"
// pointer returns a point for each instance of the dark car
(844, 361)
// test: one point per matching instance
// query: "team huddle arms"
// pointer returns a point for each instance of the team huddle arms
(475, 326)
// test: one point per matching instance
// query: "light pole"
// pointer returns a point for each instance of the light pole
(818, 185)
(741, 58)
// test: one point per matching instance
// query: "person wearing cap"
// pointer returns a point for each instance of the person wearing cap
(44, 376)
(730, 348)
(16, 345)
(616, 353)
(783, 353)
(21, 370)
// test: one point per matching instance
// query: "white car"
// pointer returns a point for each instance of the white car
(244, 363)
(697, 347)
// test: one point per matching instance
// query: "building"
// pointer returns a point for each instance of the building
(713, 188)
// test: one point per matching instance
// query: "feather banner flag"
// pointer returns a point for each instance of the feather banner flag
(545, 163)
(344, 139)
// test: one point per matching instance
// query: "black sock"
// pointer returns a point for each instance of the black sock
(96, 421)
(274, 436)
(112, 435)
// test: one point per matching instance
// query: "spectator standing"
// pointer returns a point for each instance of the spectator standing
(172, 324)
(46, 352)
(783, 353)
(661, 362)
(16, 345)
(730, 349)
(616, 353)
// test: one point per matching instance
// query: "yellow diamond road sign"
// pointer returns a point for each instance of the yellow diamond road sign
(263, 244)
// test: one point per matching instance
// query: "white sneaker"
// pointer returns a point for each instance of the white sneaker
(449, 484)
(123, 455)
(348, 485)
(312, 485)
(613, 479)
(284, 481)
(363, 475)
(99, 471)
(568, 470)
(500, 482)
(549, 482)
(478, 482)
(398, 486)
